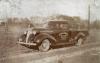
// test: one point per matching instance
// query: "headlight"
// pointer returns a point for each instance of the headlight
(38, 41)
(34, 32)
(25, 32)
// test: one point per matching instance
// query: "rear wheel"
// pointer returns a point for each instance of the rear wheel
(45, 45)
(79, 41)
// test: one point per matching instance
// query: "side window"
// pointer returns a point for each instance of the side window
(57, 26)
(53, 26)
(64, 26)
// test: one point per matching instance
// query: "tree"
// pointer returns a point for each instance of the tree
(96, 24)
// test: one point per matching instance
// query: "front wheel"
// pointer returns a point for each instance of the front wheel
(45, 45)
(80, 41)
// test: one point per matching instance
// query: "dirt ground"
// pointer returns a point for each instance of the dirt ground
(8, 43)
(8, 39)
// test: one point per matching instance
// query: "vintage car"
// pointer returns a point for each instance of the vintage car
(56, 33)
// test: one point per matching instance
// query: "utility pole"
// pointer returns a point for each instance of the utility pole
(94, 3)
(89, 16)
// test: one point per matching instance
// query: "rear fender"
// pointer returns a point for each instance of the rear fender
(80, 34)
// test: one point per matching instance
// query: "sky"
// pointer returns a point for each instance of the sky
(29, 8)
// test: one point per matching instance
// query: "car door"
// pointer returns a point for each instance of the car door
(61, 33)
(63, 37)
(64, 33)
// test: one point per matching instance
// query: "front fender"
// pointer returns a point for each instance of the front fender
(42, 36)
(81, 34)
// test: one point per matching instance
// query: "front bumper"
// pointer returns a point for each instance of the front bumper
(23, 43)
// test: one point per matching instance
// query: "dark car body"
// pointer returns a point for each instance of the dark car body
(57, 32)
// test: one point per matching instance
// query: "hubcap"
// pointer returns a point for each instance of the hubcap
(45, 44)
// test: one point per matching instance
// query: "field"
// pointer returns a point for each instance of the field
(8, 45)
(9, 37)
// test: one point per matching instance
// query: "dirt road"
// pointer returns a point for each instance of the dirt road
(52, 56)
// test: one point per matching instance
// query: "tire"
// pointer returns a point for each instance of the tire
(79, 42)
(45, 45)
